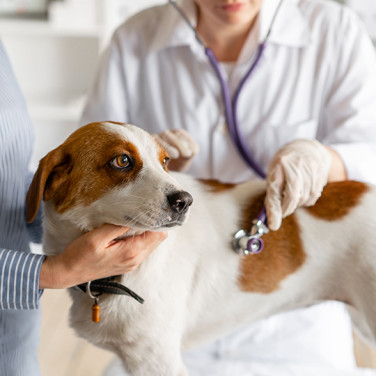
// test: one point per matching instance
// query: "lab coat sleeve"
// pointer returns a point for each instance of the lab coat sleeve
(107, 99)
(350, 113)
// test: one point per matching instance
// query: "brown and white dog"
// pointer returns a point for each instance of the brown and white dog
(195, 286)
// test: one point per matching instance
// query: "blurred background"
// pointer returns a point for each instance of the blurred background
(54, 47)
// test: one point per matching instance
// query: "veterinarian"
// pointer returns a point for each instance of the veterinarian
(314, 78)
(23, 275)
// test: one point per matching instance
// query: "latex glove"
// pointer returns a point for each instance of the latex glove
(296, 177)
(180, 146)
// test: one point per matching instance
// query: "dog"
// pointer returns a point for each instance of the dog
(195, 287)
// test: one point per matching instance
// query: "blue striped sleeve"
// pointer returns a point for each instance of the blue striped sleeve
(19, 279)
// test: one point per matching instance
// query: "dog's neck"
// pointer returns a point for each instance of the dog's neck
(57, 232)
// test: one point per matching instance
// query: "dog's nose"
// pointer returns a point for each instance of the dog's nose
(180, 201)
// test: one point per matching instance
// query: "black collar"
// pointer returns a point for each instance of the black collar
(109, 286)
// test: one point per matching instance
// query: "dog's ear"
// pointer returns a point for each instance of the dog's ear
(51, 173)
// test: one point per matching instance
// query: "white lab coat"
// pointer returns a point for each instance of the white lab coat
(316, 79)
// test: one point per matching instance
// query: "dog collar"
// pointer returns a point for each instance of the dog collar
(102, 286)
(247, 243)
(108, 286)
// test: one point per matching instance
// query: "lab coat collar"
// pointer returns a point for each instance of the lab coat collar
(290, 27)
(174, 30)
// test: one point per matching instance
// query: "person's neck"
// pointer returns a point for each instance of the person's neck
(226, 41)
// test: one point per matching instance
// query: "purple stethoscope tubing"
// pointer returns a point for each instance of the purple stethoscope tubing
(232, 121)
(230, 107)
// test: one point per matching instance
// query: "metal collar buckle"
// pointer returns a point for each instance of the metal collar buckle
(246, 243)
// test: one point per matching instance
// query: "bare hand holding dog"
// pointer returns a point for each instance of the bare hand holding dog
(296, 177)
(97, 255)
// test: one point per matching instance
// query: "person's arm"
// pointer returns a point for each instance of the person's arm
(347, 149)
(94, 255)
(19, 272)
(349, 116)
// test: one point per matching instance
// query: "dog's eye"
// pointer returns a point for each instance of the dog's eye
(121, 162)
(165, 162)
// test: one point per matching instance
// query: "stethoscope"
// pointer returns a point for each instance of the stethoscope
(244, 242)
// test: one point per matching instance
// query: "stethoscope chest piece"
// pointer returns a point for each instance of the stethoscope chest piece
(250, 243)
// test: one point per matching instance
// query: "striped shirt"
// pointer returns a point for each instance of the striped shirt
(19, 269)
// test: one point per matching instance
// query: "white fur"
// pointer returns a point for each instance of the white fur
(190, 283)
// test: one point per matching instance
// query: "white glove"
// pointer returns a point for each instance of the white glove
(180, 146)
(296, 177)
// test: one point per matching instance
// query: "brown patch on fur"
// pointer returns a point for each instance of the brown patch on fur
(282, 255)
(78, 171)
(162, 154)
(338, 199)
(283, 252)
(216, 186)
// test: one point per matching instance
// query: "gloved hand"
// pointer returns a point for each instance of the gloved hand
(180, 146)
(296, 177)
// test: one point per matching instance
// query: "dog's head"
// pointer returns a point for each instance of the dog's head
(109, 173)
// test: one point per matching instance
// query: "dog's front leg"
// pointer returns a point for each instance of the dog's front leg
(155, 358)
(154, 367)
